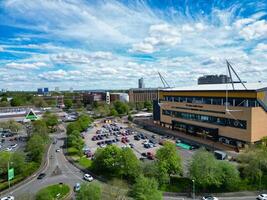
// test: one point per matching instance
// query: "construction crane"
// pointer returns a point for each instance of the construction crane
(163, 80)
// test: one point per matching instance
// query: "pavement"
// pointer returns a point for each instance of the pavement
(58, 170)
(220, 198)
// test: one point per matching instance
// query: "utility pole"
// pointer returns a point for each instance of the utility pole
(193, 189)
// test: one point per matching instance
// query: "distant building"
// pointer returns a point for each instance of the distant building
(40, 91)
(124, 97)
(90, 97)
(213, 79)
(107, 98)
(141, 83)
(71, 89)
(56, 89)
(137, 95)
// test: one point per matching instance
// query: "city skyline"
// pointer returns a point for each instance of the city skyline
(111, 44)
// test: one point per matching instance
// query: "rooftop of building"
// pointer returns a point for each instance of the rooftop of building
(221, 87)
(145, 89)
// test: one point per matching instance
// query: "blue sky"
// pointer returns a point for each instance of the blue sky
(88, 44)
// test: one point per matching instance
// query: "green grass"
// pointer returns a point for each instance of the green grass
(72, 151)
(57, 191)
(85, 162)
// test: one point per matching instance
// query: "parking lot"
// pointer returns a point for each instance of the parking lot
(10, 142)
(143, 143)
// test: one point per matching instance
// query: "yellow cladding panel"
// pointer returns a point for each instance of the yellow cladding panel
(261, 95)
(241, 94)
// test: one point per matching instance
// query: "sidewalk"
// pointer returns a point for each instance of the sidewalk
(150, 126)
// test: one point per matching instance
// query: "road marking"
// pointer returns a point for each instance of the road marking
(20, 187)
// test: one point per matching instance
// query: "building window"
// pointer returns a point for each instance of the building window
(242, 124)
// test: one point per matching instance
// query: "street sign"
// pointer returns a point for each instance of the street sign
(10, 174)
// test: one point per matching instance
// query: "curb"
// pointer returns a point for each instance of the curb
(31, 177)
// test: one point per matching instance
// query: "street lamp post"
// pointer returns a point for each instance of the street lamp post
(193, 181)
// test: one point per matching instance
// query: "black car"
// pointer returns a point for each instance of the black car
(137, 137)
(41, 176)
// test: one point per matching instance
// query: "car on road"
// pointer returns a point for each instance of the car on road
(57, 150)
(262, 197)
(77, 187)
(8, 149)
(8, 198)
(41, 176)
(88, 177)
(13, 146)
(209, 198)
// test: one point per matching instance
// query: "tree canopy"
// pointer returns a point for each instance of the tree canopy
(90, 191)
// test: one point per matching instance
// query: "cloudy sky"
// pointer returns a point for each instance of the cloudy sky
(95, 44)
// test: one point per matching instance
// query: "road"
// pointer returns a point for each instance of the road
(220, 198)
(66, 172)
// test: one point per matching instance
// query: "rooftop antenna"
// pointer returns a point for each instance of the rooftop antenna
(163, 80)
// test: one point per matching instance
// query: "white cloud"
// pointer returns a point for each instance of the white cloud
(261, 47)
(255, 30)
(160, 35)
(25, 66)
(1, 49)
(60, 75)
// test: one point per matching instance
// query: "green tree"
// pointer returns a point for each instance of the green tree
(90, 191)
(51, 121)
(230, 176)
(16, 101)
(120, 107)
(68, 103)
(39, 102)
(130, 118)
(35, 148)
(148, 105)
(204, 169)
(40, 127)
(73, 126)
(168, 158)
(107, 160)
(113, 112)
(145, 189)
(130, 165)
(4, 99)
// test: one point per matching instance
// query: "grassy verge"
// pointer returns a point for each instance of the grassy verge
(85, 162)
(58, 191)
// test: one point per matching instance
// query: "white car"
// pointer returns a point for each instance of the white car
(209, 198)
(262, 197)
(8, 149)
(8, 198)
(88, 177)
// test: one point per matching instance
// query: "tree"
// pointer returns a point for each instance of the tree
(113, 112)
(68, 103)
(39, 102)
(51, 120)
(90, 191)
(16, 101)
(169, 159)
(205, 170)
(148, 105)
(73, 126)
(14, 126)
(145, 189)
(35, 148)
(130, 165)
(121, 107)
(230, 176)
(4, 99)
(130, 118)
(107, 160)
(39, 127)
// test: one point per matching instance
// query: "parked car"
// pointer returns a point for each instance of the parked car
(88, 177)
(8, 198)
(209, 198)
(41, 176)
(77, 187)
(262, 197)
(131, 145)
(150, 156)
(57, 150)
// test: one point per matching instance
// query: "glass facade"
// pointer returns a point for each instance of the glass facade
(242, 124)
(214, 101)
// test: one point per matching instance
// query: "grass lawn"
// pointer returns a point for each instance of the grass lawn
(85, 162)
(57, 191)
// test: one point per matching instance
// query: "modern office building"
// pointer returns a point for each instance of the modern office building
(214, 79)
(123, 97)
(217, 111)
(141, 83)
(137, 95)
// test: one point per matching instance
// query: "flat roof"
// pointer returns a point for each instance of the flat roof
(221, 87)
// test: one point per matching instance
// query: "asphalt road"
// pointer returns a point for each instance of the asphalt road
(66, 172)
(220, 198)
